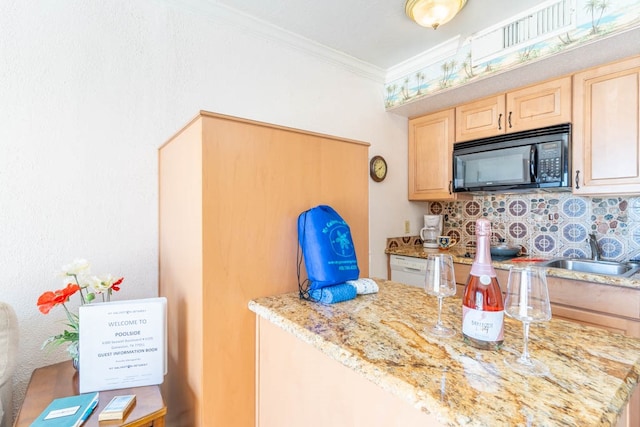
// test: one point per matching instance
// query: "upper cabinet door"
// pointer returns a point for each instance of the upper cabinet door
(430, 151)
(606, 127)
(532, 107)
(541, 105)
(480, 119)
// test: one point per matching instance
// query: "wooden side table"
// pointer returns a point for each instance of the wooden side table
(61, 380)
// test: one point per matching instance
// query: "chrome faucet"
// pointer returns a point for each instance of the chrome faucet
(595, 249)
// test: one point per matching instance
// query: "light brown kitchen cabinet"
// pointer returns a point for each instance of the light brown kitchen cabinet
(539, 105)
(430, 153)
(606, 129)
(614, 308)
(230, 192)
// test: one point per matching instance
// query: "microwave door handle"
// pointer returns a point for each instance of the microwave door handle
(533, 164)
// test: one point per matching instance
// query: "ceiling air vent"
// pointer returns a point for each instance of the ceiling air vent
(542, 22)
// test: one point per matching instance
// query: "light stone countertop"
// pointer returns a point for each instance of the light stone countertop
(458, 257)
(593, 371)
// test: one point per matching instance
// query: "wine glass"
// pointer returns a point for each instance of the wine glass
(440, 281)
(527, 300)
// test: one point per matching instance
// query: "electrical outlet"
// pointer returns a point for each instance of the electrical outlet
(407, 227)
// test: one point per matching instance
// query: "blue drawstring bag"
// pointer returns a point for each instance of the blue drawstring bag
(327, 248)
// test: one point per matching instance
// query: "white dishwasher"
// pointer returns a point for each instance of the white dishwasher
(408, 270)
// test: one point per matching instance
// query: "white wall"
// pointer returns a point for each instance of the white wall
(90, 89)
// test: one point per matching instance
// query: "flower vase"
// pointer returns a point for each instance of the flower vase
(72, 349)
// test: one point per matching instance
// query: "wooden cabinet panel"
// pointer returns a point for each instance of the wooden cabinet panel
(606, 129)
(480, 119)
(536, 106)
(318, 391)
(610, 300)
(544, 104)
(430, 153)
(617, 325)
(230, 193)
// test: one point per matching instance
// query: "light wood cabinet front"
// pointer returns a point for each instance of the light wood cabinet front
(540, 105)
(230, 192)
(430, 152)
(606, 129)
(480, 119)
(544, 104)
(298, 385)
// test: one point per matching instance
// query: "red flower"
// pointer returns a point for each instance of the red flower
(116, 284)
(49, 299)
(71, 289)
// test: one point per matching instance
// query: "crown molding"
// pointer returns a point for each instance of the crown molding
(264, 30)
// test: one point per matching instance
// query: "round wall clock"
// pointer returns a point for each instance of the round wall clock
(378, 168)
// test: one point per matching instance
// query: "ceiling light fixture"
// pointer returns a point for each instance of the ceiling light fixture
(433, 13)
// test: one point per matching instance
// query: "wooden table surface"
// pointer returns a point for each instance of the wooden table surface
(61, 379)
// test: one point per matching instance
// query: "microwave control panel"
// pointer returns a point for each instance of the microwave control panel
(550, 162)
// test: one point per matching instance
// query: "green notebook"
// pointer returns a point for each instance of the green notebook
(70, 411)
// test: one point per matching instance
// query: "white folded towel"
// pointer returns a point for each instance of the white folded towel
(364, 285)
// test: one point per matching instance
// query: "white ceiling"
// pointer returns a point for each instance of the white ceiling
(374, 31)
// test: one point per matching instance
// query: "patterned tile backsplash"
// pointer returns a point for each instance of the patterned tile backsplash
(549, 224)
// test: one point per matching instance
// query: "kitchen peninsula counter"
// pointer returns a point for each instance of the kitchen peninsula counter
(379, 338)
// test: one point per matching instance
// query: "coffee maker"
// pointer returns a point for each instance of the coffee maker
(432, 229)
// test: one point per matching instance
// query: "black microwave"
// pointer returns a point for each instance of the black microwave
(526, 160)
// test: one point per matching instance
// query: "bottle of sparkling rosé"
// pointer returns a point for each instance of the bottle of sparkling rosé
(482, 303)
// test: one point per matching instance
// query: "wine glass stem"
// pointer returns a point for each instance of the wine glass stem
(525, 347)
(439, 324)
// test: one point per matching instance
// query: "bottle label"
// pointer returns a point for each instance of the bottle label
(483, 325)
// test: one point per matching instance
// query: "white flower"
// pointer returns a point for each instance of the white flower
(99, 284)
(79, 267)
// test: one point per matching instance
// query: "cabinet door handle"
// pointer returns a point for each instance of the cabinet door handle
(577, 180)
(509, 119)
(450, 186)
(500, 121)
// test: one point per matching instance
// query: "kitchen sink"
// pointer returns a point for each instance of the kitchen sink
(609, 268)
